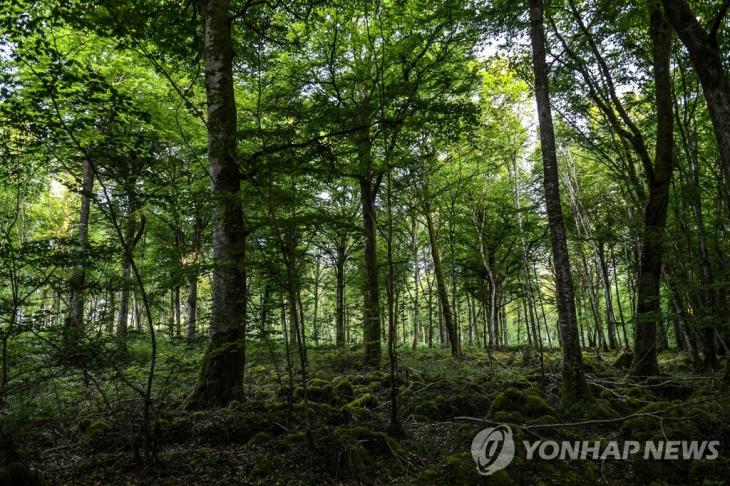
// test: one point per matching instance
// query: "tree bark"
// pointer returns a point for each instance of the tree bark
(129, 235)
(648, 310)
(371, 289)
(707, 60)
(416, 278)
(610, 315)
(221, 376)
(192, 306)
(441, 283)
(709, 297)
(340, 297)
(574, 386)
(74, 321)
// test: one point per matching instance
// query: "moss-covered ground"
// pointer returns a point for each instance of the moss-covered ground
(81, 429)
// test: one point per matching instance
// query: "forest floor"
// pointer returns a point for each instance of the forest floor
(68, 433)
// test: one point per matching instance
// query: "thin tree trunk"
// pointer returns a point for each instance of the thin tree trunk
(610, 316)
(111, 304)
(648, 309)
(430, 312)
(176, 305)
(315, 320)
(130, 233)
(74, 321)
(192, 304)
(416, 269)
(709, 298)
(394, 427)
(340, 304)
(707, 59)
(440, 282)
(618, 299)
(574, 386)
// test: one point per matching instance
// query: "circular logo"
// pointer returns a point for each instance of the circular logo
(493, 449)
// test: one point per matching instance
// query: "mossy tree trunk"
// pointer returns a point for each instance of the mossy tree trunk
(371, 284)
(221, 376)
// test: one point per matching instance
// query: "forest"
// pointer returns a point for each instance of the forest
(364, 242)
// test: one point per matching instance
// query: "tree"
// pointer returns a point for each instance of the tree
(648, 308)
(707, 58)
(574, 387)
(221, 376)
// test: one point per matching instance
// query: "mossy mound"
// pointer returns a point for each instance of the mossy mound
(626, 400)
(443, 400)
(98, 436)
(340, 454)
(591, 410)
(17, 474)
(528, 403)
(461, 469)
(447, 407)
(709, 472)
(226, 426)
(624, 361)
(691, 422)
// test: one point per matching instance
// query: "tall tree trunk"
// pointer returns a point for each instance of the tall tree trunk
(416, 269)
(315, 321)
(478, 219)
(129, 235)
(542, 307)
(176, 306)
(707, 59)
(192, 298)
(574, 386)
(221, 376)
(648, 309)
(171, 320)
(440, 282)
(618, 299)
(430, 312)
(394, 428)
(192, 304)
(340, 297)
(610, 315)
(74, 321)
(112, 313)
(709, 298)
(371, 284)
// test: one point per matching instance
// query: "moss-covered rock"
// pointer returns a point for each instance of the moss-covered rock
(342, 454)
(17, 474)
(529, 405)
(460, 400)
(260, 439)
(624, 361)
(344, 391)
(99, 436)
(510, 417)
(592, 410)
(224, 426)
(460, 469)
(709, 472)
(366, 401)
